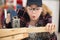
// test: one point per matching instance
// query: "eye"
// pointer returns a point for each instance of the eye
(30, 9)
(37, 8)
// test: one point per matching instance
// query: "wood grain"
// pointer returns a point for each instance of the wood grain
(19, 33)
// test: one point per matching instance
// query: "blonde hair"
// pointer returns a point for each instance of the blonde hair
(47, 9)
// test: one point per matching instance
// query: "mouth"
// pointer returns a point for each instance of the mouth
(33, 16)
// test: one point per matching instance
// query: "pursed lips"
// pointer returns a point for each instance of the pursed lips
(33, 16)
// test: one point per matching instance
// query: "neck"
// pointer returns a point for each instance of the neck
(33, 22)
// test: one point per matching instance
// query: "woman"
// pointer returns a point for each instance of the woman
(36, 16)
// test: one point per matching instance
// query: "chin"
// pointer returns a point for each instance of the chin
(34, 19)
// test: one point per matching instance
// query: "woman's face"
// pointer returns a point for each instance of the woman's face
(34, 12)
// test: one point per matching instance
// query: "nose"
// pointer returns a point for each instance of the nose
(34, 11)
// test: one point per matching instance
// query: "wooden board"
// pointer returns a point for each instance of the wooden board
(19, 33)
(15, 31)
(15, 37)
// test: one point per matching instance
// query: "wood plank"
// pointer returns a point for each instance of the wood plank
(15, 31)
(15, 37)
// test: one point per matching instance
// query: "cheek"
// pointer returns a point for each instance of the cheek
(39, 13)
(29, 13)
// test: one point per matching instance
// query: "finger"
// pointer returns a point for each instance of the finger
(47, 27)
(53, 28)
(50, 28)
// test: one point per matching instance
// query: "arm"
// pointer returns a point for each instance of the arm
(8, 21)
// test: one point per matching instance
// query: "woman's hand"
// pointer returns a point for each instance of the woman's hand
(8, 19)
(50, 28)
